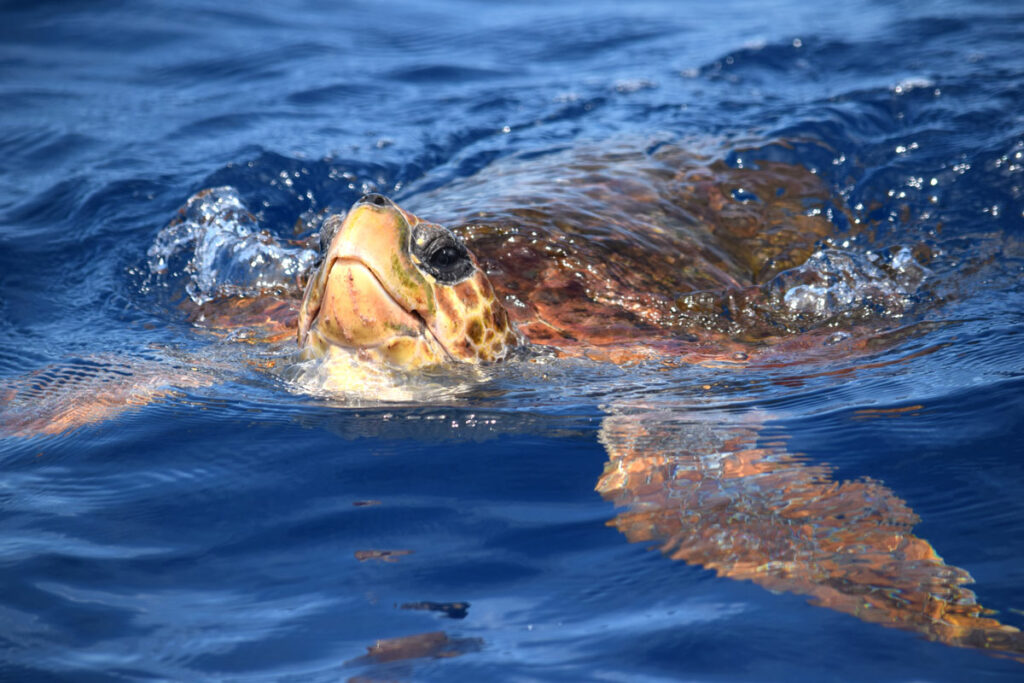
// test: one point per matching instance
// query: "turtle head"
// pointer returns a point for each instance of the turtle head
(402, 292)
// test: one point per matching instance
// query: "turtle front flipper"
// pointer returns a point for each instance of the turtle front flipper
(69, 395)
(703, 486)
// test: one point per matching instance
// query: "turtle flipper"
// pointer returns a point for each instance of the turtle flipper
(65, 396)
(703, 487)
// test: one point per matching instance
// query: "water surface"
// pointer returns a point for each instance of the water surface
(248, 530)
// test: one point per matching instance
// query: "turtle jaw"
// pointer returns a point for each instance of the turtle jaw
(358, 313)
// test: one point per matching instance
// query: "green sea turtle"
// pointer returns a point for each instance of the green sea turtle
(620, 256)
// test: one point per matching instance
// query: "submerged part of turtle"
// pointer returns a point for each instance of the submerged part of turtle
(710, 493)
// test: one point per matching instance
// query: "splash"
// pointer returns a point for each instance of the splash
(833, 288)
(834, 283)
(217, 243)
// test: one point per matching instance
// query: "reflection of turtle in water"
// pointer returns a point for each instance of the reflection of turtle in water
(620, 257)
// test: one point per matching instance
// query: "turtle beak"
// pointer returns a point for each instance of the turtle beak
(366, 294)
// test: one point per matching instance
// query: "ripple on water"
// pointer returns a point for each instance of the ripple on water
(27, 148)
(205, 625)
(242, 530)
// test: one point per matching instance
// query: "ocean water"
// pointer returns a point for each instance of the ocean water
(552, 519)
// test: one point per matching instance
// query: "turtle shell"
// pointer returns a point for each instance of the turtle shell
(626, 245)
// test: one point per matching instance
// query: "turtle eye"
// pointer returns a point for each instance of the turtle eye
(440, 254)
(444, 257)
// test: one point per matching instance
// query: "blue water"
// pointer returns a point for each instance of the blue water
(221, 531)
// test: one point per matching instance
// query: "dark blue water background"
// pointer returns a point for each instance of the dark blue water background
(213, 534)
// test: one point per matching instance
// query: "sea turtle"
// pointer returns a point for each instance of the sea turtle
(611, 255)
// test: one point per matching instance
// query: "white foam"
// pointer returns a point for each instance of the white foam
(835, 282)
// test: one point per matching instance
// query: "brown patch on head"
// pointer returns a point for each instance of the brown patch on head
(467, 293)
(475, 330)
(499, 318)
(447, 303)
(470, 319)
